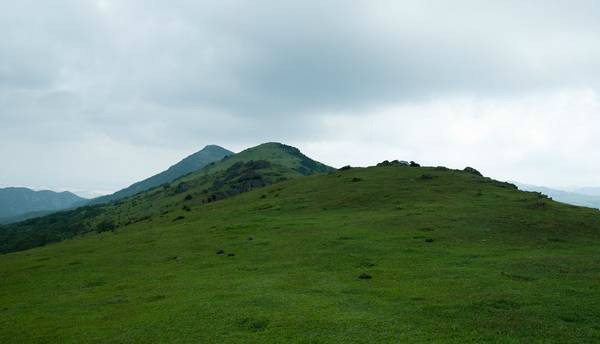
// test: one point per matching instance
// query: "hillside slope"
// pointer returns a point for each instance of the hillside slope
(255, 167)
(194, 162)
(18, 201)
(376, 255)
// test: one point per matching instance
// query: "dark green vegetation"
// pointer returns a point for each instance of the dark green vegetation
(192, 163)
(384, 254)
(19, 203)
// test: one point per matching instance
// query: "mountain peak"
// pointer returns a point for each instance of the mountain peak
(279, 154)
(191, 163)
(212, 147)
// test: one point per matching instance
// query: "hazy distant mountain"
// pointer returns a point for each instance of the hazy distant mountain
(15, 202)
(590, 191)
(194, 162)
(574, 198)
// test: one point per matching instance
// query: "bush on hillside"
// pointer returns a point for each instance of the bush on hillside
(471, 170)
(182, 187)
(414, 164)
(105, 226)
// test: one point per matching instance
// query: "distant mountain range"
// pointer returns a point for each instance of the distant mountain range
(585, 197)
(589, 191)
(17, 202)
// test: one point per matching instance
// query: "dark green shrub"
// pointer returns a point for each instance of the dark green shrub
(471, 170)
(105, 226)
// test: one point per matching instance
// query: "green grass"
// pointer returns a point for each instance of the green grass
(504, 266)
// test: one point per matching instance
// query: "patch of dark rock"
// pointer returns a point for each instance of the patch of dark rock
(367, 264)
(393, 163)
(254, 325)
(94, 284)
(519, 278)
(156, 298)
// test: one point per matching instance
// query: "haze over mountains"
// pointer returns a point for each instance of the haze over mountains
(17, 201)
(585, 197)
(19, 204)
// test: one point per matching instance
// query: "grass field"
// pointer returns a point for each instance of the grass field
(451, 256)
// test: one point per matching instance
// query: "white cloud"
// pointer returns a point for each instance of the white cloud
(508, 86)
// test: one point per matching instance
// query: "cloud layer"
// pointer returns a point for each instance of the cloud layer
(98, 94)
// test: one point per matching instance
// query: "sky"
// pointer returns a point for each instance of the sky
(96, 95)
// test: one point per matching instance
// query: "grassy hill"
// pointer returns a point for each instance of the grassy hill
(192, 163)
(276, 153)
(255, 167)
(376, 255)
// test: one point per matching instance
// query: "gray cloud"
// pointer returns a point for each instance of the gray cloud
(171, 77)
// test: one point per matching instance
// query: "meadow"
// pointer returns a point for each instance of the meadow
(383, 254)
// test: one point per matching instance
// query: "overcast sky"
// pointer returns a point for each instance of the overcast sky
(95, 95)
